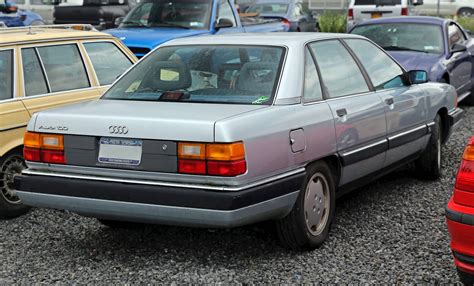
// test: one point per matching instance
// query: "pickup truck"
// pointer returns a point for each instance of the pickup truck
(101, 14)
(153, 22)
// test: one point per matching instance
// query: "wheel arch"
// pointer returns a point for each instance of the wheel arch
(334, 163)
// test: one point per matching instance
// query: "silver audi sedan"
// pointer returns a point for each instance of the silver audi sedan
(223, 131)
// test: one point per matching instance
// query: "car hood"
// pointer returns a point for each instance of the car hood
(416, 60)
(151, 37)
(144, 119)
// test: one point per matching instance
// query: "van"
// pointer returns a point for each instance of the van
(361, 10)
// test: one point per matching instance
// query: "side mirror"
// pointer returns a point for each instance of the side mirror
(224, 23)
(118, 21)
(417, 2)
(418, 76)
(457, 48)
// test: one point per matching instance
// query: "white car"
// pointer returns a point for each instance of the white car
(361, 10)
(464, 8)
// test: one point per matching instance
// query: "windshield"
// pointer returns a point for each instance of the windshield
(185, 14)
(268, 9)
(203, 74)
(404, 37)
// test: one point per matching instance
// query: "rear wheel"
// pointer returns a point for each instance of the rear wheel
(428, 166)
(466, 278)
(307, 226)
(466, 12)
(11, 165)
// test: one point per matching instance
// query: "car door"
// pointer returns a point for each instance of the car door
(358, 111)
(54, 75)
(404, 104)
(13, 114)
(459, 64)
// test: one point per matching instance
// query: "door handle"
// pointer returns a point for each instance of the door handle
(389, 101)
(341, 112)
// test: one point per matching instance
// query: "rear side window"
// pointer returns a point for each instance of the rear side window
(6, 74)
(203, 74)
(383, 71)
(339, 71)
(35, 82)
(108, 61)
(64, 67)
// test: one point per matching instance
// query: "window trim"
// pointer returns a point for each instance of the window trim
(14, 70)
(405, 77)
(326, 94)
(86, 56)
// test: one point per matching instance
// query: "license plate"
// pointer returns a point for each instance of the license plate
(120, 151)
(376, 15)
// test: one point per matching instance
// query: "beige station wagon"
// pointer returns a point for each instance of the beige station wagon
(43, 67)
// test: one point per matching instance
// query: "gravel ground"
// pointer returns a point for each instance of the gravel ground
(392, 231)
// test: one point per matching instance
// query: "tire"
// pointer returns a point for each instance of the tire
(428, 166)
(10, 205)
(466, 12)
(298, 231)
(466, 278)
(119, 224)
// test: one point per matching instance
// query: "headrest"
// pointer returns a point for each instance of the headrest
(257, 76)
(167, 76)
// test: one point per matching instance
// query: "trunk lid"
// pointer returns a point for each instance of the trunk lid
(142, 119)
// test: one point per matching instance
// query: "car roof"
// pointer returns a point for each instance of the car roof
(406, 19)
(11, 36)
(263, 39)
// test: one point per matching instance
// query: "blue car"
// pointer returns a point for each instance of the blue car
(441, 47)
(11, 16)
(294, 13)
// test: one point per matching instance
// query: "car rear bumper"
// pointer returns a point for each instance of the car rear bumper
(460, 221)
(161, 204)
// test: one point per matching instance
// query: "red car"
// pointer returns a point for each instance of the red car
(460, 217)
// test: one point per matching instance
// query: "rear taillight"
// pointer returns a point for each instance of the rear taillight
(404, 11)
(46, 148)
(464, 187)
(219, 159)
(350, 14)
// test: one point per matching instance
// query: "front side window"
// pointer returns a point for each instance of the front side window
(225, 12)
(64, 67)
(6, 74)
(181, 14)
(35, 81)
(312, 87)
(108, 61)
(423, 38)
(383, 71)
(203, 74)
(340, 74)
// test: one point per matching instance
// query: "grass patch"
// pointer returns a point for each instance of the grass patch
(467, 23)
(331, 22)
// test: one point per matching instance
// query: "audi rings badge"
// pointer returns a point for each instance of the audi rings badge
(118, 129)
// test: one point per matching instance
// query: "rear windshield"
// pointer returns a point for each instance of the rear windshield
(380, 2)
(203, 74)
(269, 8)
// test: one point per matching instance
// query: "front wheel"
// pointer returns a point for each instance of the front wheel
(307, 226)
(428, 166)
(11, 165)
